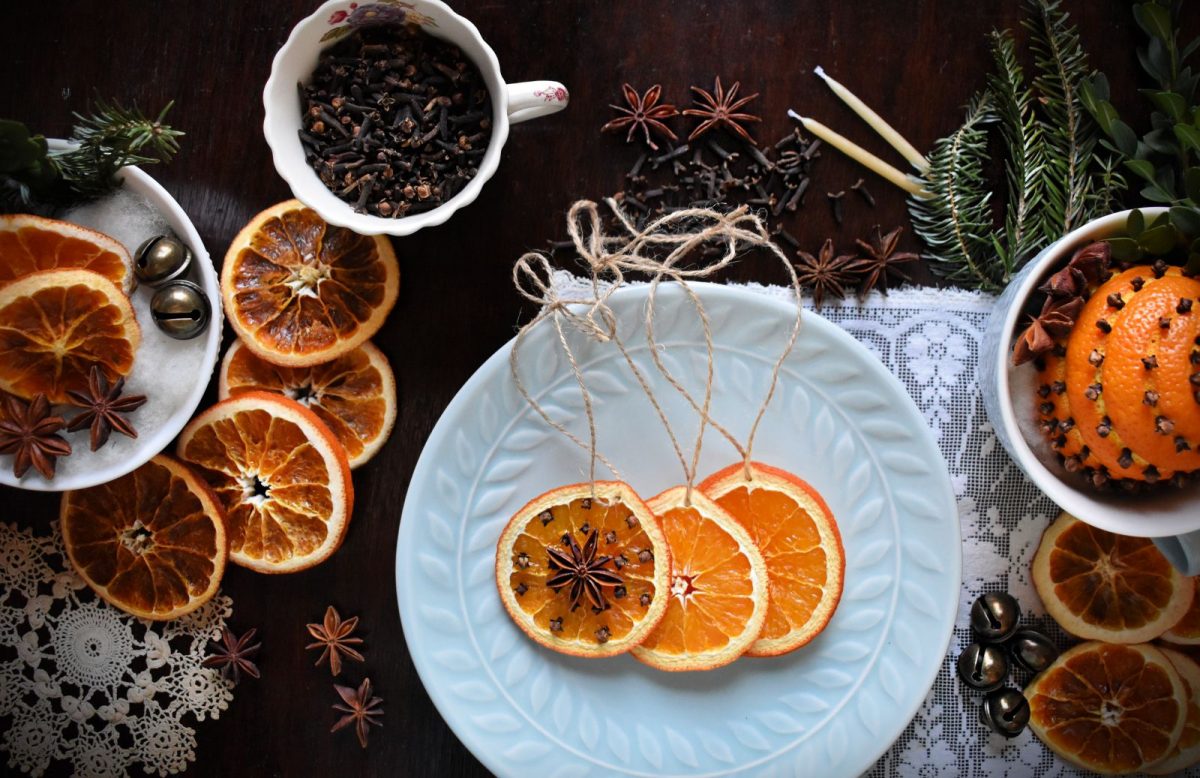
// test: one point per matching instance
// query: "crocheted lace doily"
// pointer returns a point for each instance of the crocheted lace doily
(81, 682)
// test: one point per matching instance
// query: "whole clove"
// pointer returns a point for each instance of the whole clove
(395, 121)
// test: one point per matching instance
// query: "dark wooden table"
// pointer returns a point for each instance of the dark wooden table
(915, 61)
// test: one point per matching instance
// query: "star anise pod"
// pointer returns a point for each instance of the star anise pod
(720, 109)
(334, 638)
(881, 260)
(643, 112)
(1055, 321)
(232, 655)
(103, 406)
(361, 709)
(825, 273)
(28, 432)
(582, 570)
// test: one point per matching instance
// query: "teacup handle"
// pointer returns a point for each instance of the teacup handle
(531, 99)
(1182, 551)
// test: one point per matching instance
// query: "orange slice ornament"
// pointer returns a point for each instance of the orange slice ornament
(299, 292)
(584, 569)
(796, 532)
(718, 597)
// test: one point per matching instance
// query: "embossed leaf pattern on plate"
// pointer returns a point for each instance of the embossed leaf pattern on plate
(836, 420)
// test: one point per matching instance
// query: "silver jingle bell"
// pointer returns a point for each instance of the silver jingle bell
(994, 617)
(161, 259)
(1005, 711)
(181, 309)
(983, 667)
(1032, 650)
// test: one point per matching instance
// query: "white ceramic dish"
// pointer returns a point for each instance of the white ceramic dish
(839, 420)
(294, 63)
(1008, 393)
(192, 370)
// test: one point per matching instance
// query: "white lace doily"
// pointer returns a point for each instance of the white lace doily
(83, 683)
(929, 338)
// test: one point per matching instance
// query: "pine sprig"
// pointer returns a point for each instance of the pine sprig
(111, 138)
(1025, 166)
(1071, 134)
(955, 221)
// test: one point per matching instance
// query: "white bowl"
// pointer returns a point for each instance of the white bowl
(1008, 397)
(294, 64)
(150, 441)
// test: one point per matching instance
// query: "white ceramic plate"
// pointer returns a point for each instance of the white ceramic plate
(174, 381)
(839, 420)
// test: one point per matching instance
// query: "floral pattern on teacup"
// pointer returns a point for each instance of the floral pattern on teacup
(552, 94)
(359, 15)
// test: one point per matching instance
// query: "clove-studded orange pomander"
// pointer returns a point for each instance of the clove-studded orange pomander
(1121, 400)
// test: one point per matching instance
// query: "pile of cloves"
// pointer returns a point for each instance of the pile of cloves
(984, 665)
(395, 121)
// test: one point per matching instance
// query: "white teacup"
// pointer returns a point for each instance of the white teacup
(295, 61)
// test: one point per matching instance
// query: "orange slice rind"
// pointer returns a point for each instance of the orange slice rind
(31, 243)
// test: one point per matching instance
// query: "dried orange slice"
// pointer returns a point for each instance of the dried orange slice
(31, 243)
(152, 542)
(300, 292)
(280, 473)
(55, 325)
(1186, 631)
(355, 394)
(1187, 751)
(1109, 708)
(584, 571)
(1102, 586)
(798, 537)
(718, 594)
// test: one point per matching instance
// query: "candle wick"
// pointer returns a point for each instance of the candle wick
(820, 71)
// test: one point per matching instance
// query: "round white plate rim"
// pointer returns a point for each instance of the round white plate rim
(498, 362)
(144, 184)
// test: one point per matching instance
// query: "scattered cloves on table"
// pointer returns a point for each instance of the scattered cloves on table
(395, 121)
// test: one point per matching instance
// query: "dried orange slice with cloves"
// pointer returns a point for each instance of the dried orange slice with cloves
(1109, 708)
(718, 596)
(1101, 586)
(794, 529)
(152, 542)
(584, 569)
(300, 292)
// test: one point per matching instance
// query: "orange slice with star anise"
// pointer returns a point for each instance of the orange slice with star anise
(584, 569)
(718, 597)
(300, 292)
(152, 542)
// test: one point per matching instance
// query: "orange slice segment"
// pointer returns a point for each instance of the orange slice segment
(31, 243)
(355, 394)
(584, 573)
(152, 542)
(795, 531)
(718, 590)
(1102, 586)
(300, 292)
(1186, 631)
(1187, 751)
(281, 475)
(1109, 708)
(55, 325)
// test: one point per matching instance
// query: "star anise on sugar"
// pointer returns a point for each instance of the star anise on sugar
(28, 431)
(881, 261)
(582, 570)
(333, 637)
(361, 709)
(825, 274)
(103, 406)
(720, 109)
(232, 655)
(642, 112)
